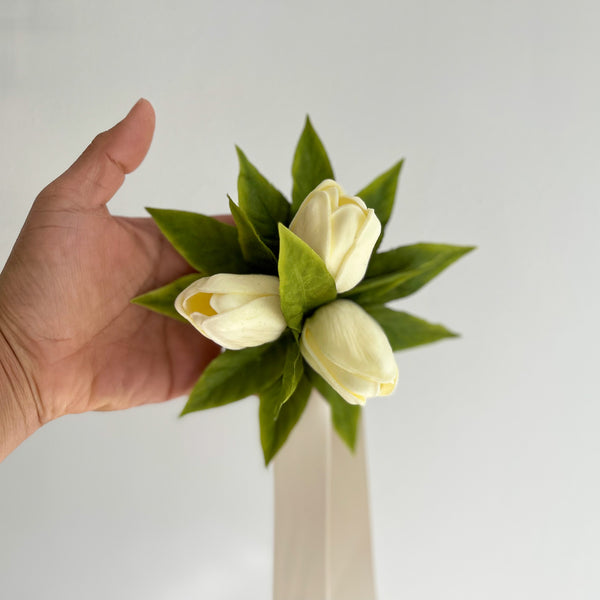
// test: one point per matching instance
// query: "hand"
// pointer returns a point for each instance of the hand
(70, 340)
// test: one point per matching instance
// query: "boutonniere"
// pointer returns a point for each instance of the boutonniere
(296, 293)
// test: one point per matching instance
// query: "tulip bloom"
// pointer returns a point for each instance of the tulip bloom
(348, 348)
(340, 229)
(235, 311)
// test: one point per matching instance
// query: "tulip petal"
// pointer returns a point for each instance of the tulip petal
(385, 389)
(197, 320)
(230, 283)
(346, 222)
(351, 339)
(333, 189)
(360, 386)
(355, 263)
(311, 222)
(310, 353)
(253, 324)
(353, 388)
(222, 303)
(353, 200)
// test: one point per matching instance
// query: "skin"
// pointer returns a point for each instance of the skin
(70, 340)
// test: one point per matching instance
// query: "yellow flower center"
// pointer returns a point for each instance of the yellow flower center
(200, 303)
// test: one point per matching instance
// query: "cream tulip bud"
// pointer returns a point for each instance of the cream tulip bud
(348, 348)
(235, 311)
(340, 229)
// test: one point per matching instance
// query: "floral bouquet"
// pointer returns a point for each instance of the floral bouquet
(296, 294)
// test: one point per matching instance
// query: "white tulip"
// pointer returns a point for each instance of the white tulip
(348, 348)
(340, 229)
(235, 311)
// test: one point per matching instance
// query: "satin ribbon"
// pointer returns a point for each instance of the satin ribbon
(322, 527)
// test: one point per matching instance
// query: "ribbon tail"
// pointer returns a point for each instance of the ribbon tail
(322, 525)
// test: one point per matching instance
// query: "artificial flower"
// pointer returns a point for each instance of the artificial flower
(340, 229)
(350, 350)
(235, 311)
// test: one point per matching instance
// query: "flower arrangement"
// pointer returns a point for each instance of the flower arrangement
(296, 294)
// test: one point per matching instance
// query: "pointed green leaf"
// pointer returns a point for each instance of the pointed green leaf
(264, 205)
(310, 167)
(304, 282)
(404, 270)
(274, 432)
(207, 244)
(381, 193)
(377, 290)
(293, 370)
(254, 250)
(162, 300)
(406, 331)
(345, 416)
(237, 374)
(416, 257)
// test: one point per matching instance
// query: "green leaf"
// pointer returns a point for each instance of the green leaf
(207, 244)
(377, 290)
(404, 270)
(293, 370)
(265, 205)
(162, 300)
(310, 167)
(274, 432)
(304, 282)
(237, 374)
(380, 195)
(345, 416)
(406, 331)
(255, 251)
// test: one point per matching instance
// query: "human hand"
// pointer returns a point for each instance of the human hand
(70, 340)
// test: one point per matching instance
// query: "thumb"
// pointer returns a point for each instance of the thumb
(92, 180)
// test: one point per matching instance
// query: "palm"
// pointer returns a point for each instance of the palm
(92, 348)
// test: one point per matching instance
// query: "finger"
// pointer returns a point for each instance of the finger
(169, 263)
(228, 219)
(98, 173)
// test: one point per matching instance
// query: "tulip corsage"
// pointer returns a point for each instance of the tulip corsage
(296, 294)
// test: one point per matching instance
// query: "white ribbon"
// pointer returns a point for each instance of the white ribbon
(322, 528)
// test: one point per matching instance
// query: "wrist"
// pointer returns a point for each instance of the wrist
(20, 407)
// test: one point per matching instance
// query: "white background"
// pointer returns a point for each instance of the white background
(484, 464)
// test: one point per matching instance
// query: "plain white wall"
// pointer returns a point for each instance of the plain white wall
(484, 464)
